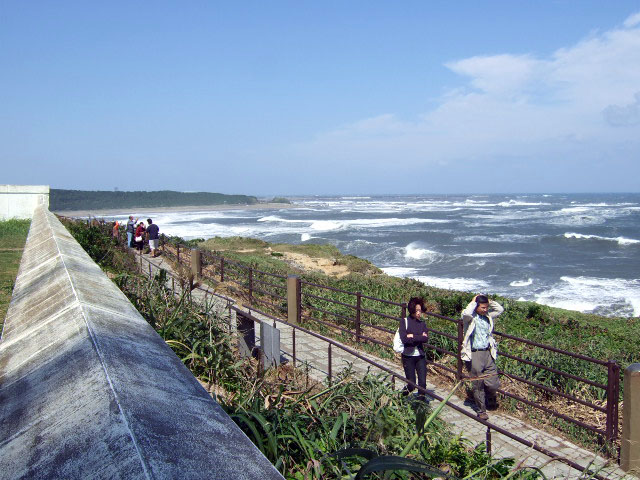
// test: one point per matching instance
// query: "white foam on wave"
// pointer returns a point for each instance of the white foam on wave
(522, 283)
(305, 237)
(325, 225)
(620, 240)
(414, 252)
(594, 295)
(506, 238)
(520, 203)
(490, 254)
(400, 271)
(459, 283)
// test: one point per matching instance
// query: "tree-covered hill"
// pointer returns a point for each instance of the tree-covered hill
(61, 200)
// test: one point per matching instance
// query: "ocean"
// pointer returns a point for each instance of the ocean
(574, 251)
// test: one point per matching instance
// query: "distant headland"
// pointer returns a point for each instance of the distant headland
(111, 201)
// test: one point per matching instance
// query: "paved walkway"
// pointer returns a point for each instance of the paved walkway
(314, 352)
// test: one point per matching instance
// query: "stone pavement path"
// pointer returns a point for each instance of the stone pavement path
(314, 352)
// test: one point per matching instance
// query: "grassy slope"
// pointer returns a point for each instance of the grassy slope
(13, 234)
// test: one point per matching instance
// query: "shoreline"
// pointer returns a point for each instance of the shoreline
(113, 212)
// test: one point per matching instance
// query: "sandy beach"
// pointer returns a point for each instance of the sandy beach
(187, 208)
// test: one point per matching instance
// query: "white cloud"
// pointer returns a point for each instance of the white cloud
(632, 21)
(566, 105)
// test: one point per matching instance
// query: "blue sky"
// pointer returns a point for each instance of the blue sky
(325, 97)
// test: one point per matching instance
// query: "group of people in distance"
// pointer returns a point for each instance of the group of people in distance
(479, 349)
(137, 234)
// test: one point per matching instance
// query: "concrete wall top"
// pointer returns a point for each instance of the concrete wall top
(89, 390)
(20, 201)
(24, 189)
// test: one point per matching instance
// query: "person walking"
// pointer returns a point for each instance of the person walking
(152, 231)
(413, 333)
(479, 351)
(131, 228)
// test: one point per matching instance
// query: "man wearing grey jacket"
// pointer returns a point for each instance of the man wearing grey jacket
(479, 350)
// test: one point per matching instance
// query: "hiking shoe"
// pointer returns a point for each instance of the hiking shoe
(483, 416)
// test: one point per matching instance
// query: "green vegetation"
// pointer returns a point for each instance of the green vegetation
(261, 254)
(61, 200)
(13, 235)
(353, 428)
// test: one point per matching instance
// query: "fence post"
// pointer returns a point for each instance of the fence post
(293, 345)
(358, 304)
(196, 263)
(329, 365)
(293, 299)
(613, 377)
(221, 269)
(250, 286)
(460, 340)
(299, 299)
(630, 444)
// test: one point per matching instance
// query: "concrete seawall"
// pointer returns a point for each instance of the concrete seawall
(89, 390)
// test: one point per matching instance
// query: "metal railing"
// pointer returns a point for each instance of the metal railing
(367, 319)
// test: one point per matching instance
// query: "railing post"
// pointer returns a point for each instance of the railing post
(630, 444)
(488, 440)
(358, 305)
(196, 263)
(293, 299)
(329, 365)
(460, 340)
(293, 348)
(613, 376)
(299, 300)
(221, 269)
(250, 286)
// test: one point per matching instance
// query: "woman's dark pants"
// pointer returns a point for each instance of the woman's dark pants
(413, 365)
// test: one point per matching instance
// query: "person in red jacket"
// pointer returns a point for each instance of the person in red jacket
(139, 237)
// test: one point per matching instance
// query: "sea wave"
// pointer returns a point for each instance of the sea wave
(414, 252)
(360, 223)
(519, 203)
(490, 254)
(458, 283)
(620, 240)
(522, 283)
(603, 296)
(400, 271)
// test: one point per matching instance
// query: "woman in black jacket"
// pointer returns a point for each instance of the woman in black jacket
(413, 333)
